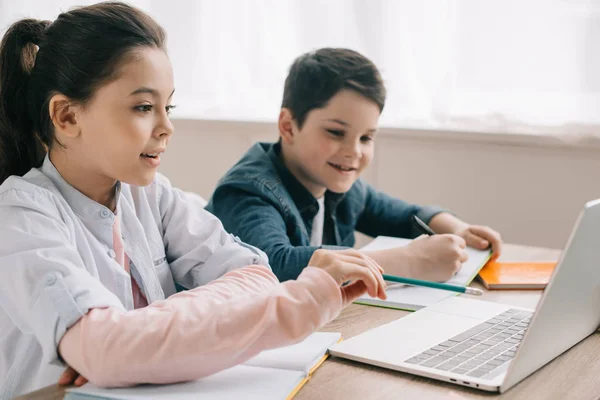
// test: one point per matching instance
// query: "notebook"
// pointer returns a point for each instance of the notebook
(412, 298)
(516, 275)
(273, 374)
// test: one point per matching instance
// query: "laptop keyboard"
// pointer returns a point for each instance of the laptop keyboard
(481, 349)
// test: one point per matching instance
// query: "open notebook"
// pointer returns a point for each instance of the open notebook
(273, 374)
(413, 298)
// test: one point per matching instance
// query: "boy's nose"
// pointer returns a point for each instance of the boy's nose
(352, 151)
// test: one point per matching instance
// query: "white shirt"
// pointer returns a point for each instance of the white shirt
(57, 262)
(316, 233)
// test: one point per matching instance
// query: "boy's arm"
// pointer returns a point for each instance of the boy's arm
(384, 215)
(259, 223)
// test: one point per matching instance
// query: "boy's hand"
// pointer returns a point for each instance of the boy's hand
(70, 377)
(360, 270)
(482, 237)
(435, 258)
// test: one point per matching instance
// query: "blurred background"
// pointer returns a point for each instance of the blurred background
(493, 106)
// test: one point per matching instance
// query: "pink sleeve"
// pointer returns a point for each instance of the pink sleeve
(202, 331)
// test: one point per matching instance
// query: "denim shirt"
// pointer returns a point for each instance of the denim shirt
(57, 262)
(261, 201)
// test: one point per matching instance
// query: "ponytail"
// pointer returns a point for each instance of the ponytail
(20, 146)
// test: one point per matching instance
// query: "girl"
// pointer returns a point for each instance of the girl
(92, 238)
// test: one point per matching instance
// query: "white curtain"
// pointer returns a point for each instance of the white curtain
(519, 66)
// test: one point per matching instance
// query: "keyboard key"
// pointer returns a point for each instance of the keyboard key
(414, 360)
(423, 356)
(446, 366)
(460, 370)
(495, 362)
(504, 346)
(467, 343)
(470, 366)
(438, 348)
(503, 358)
(477, 373)
(471, 332)
(434, 361)
(447, 343)
(511, 340)
(487, 367)
(429, 352)
(494, 320)
(523, 315)
(505, 314)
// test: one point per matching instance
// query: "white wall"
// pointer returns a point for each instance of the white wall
(529, 188)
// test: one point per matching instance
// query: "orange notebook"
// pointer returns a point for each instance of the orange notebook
(516, 275)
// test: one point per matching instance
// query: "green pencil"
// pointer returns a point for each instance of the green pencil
(434, 285)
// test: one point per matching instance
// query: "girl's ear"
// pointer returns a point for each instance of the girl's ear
(287, 125)
(63, 116)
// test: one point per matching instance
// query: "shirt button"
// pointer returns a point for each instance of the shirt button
(50, 280)
(112, 253)
(105, 213)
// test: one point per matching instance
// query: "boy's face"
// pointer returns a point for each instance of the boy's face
(334, 145)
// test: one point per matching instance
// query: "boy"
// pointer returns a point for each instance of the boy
(304, 193)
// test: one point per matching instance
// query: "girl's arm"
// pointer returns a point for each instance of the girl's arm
(197, 333)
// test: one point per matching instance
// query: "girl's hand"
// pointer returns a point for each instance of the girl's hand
(360, 272)
(70, 377)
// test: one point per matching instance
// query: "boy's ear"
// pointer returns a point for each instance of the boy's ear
(63, 116)
(286, 125)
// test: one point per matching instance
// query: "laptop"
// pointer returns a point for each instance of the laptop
(492, 346)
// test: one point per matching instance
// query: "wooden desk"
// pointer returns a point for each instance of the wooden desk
(573, 375)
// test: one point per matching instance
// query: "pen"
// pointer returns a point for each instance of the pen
(423, 227)
(433, 285)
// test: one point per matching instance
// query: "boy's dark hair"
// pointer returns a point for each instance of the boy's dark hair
(317, 76)
(73, 55)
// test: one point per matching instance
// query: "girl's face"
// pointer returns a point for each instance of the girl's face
(125, 127)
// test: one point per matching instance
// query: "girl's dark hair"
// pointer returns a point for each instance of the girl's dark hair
(317, 76)
(73, 56)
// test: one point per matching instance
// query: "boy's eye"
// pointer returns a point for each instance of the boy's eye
(335, 132)
(144, 108)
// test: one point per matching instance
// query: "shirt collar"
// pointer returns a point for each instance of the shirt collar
(302, 198)
(80, 203)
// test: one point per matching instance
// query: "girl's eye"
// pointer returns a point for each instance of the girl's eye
(335, 132)
(145, 108)
(366, 139)
(169, 109)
